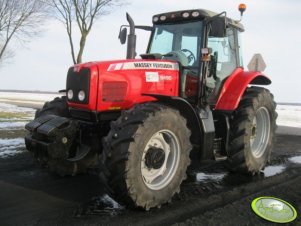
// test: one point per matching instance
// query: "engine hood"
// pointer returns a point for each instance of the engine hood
(119, 84)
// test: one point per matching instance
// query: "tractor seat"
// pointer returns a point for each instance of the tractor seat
(178, 56)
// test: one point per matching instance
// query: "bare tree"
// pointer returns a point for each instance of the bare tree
(19, 19)
(83, 13)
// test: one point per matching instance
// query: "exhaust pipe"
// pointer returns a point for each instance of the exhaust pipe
(131, 47)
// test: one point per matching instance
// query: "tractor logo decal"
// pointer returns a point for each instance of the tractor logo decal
(143, 65)
(274, 209)
(151, 76)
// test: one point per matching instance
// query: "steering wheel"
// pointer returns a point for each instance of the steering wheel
(190, 56)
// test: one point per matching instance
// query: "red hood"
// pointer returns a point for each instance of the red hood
(127, 81)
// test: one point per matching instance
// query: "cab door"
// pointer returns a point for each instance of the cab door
(225, 52)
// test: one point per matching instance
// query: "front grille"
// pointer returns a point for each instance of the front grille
(114, 91)
(78, 81)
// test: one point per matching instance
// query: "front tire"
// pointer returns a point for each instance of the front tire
(252, 135)
(58, 106)
(148, 148)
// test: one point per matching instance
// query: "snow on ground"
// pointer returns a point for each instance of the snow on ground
(203, 177)
(29, 98)
(10, 108)
(289, 115)
(11, 147)
(14, 117)
(12, 125)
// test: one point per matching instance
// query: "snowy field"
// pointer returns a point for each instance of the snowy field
(289, 115)
(14, 118)
(26, 98)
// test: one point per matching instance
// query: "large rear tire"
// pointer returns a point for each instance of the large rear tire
(252, 135)
(148, 153)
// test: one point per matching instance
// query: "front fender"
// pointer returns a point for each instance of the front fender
(235, 86)
(187, 111)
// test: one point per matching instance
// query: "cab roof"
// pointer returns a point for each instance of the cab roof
(190, 15)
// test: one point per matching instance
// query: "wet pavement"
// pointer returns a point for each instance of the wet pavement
(38, 197)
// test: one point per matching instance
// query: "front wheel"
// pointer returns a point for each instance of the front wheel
(148, 148)
(252, 135)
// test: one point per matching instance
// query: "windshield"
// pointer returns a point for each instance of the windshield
(183, 38)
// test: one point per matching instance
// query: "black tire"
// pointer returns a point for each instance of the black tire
(57, 106)
(126, 145)
(252, 135)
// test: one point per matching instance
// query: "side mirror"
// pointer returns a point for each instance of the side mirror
(218, 27)
(122, 35)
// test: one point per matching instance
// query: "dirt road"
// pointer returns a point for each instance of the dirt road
(211, 196)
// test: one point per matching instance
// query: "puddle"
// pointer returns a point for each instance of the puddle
(273, 170)
(102, 205)
(296, 159)
(205, 177)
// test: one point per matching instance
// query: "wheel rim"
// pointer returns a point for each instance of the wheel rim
(260, 132)
(159, 176)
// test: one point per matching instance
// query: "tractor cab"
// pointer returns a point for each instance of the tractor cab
(205, 44)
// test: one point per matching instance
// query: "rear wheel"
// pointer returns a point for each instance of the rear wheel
(148, 153)
(253, 128)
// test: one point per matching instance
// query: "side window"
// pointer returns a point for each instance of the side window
(224, 49)
(240, 49)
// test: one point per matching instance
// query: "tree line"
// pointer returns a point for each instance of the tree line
(22, 20)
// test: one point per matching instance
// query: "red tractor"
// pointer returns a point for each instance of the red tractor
(138, 120)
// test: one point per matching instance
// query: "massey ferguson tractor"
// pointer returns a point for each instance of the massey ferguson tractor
(142, 121)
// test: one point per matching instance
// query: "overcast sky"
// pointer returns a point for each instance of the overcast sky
(273, 28)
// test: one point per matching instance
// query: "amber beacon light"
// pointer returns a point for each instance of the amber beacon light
(242, 8)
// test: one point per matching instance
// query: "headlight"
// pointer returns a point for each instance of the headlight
(70, 94)
(195, 14)
(163, 18)
(186, 15)
(156, 19)
(81, 95)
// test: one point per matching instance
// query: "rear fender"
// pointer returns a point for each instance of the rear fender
(235, 86)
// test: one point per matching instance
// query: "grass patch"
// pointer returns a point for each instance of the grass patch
(14, 115)
(11, 134)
